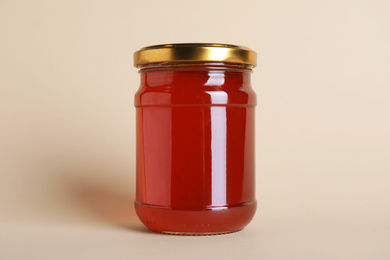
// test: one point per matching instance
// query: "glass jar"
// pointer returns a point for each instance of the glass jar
(195, 138)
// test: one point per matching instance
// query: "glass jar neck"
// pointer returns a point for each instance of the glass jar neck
(201, 74)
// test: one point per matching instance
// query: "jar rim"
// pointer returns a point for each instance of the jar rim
(195, 52)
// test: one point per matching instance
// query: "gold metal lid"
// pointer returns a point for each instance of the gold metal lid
(195, 52)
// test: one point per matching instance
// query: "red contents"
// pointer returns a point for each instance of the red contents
(195, 149)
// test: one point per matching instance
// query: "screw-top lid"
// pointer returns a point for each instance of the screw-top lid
(195, 52)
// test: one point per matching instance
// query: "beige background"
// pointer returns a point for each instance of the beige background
(67, 127)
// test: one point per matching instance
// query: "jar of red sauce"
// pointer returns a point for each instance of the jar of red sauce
(195, 138)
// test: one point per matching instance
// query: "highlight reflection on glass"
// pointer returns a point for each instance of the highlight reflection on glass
(216, 78)
(218, 152)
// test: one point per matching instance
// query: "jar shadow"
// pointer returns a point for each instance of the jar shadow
(104, 200)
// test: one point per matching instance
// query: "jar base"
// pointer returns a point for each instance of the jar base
(195, 233)
(211, 220)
